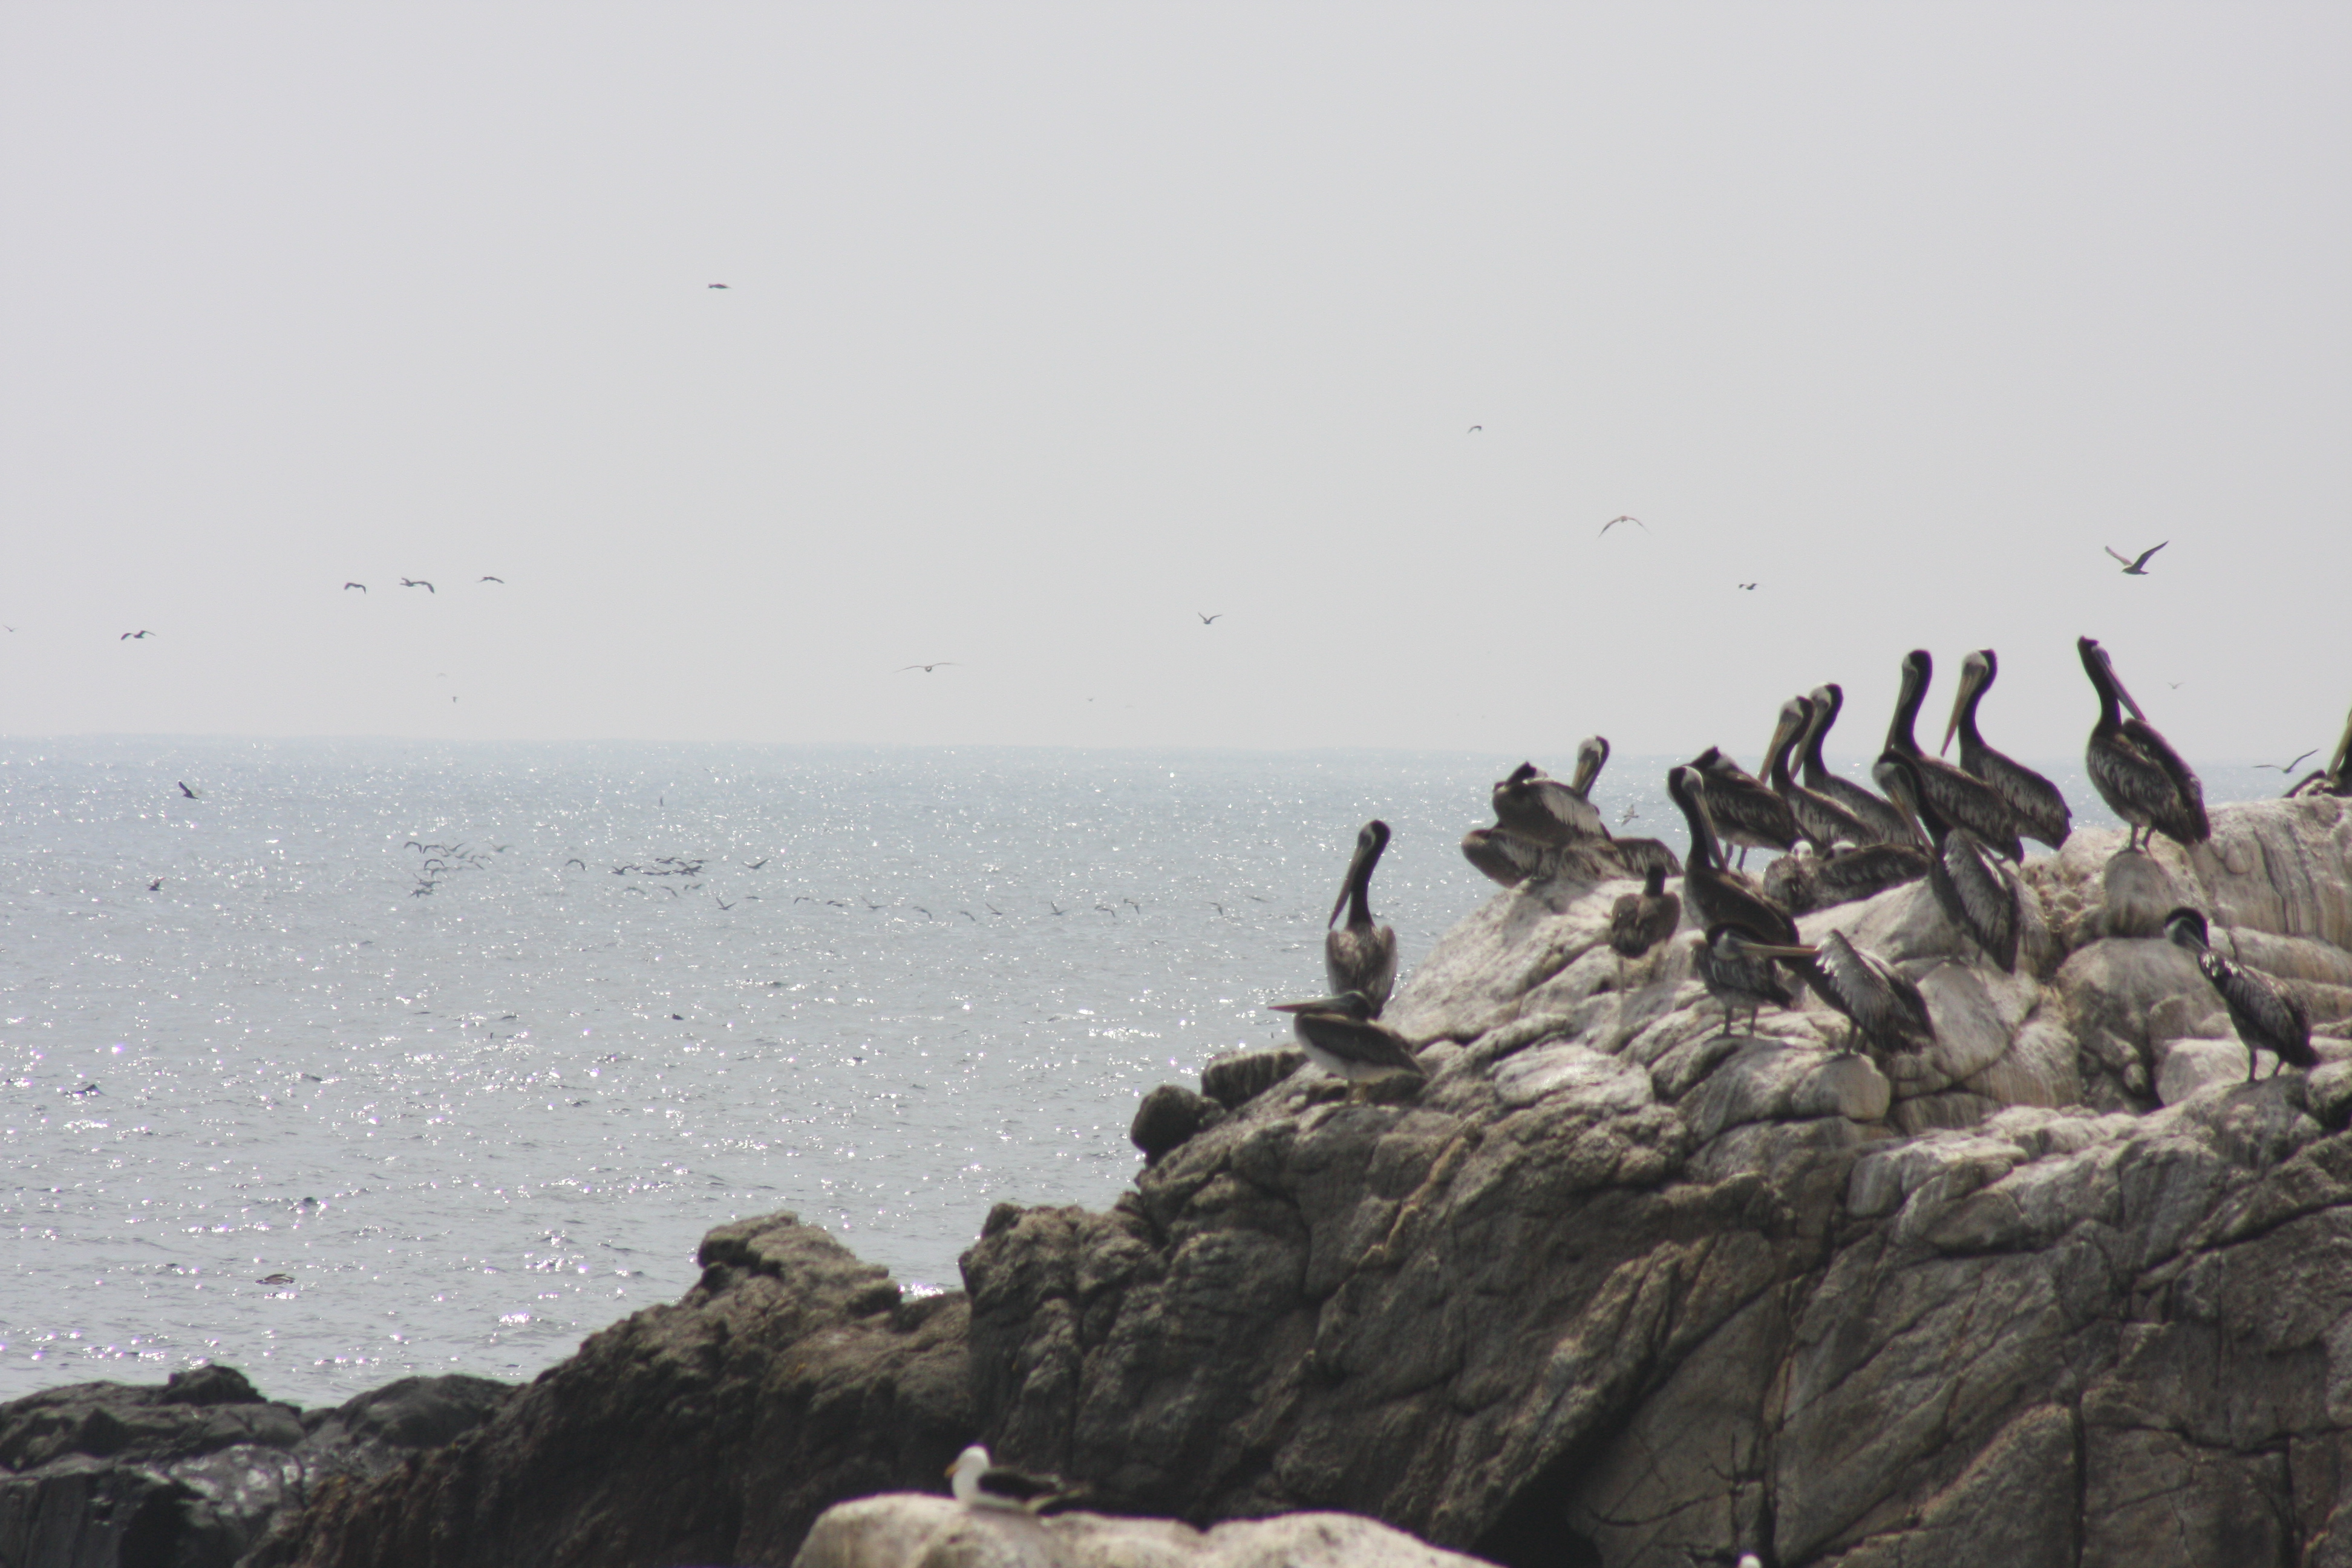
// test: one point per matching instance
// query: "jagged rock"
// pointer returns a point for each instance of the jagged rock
(1234, 1081)
(1167, 1115)
(916, 1531)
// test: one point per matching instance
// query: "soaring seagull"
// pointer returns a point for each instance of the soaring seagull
(494, 580)
(128, 637)
(2134, 568)
(1624, 516)
(349, 586)
(2290, 767)
(926, 669)
(714, 284)
(1210, 620)
(417, 582)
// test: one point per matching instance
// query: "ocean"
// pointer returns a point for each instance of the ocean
(375, 1057)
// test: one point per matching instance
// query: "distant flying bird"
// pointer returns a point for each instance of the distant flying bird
(493, 579)
(1624, 516)
(2289, 767)
(755, 865)
(2135, 568)
(1210, 620)
(1474, 431)
(129, 636)
(714, 284)
(417, 582)
(349, 586)
(155, 885)
(1749, 586)
(926, 669)
(192, 795)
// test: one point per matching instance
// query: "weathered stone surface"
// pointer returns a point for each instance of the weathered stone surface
(916, 1531)
(1169, 1115)
(1234, 1081)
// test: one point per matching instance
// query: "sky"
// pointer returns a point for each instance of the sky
(1051, 329)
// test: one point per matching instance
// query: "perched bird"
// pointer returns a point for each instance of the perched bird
(926, 669)
(979, 1483)
(1533, 805)
(1882, 1006)
(1640, 857)
(2135, 568)
(2041, 810)
(349, 586)
(1361, 956)
(1799, 883)
(1974, 894)
(1639, 921)
(1819, 820)
(1340, 1037)
(417, 582)
(1739, 972)
(2267, 1016)
(1742, 810)
(1718, 896)
(2136, 770)
(133, 637)
(1960, 798)
(1508, 860)
(1886, 825)
(2336, 778)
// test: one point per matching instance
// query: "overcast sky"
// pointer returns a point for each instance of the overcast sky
(1050, 328)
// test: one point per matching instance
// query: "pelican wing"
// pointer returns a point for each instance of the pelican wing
(2186, 821)
(2039, 810)
(1881, 999)
(1357, 1042)
(1361, 958)
(1976, 895)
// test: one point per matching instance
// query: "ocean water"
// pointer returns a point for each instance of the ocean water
(377, 1058)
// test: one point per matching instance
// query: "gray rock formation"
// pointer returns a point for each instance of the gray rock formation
(914, 1531)
(1610, 1288)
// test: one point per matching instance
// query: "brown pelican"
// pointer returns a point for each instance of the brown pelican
(1971, 889)
(2135, 772)
(2041, 810)
(1886, 825)
(1742, 809)
(1640, 857)
(2335, 778)
(1739, 971)
(1508, 859)
(1534, 804)
(1636, 856)
(1881, 1004)
(1718, 896)
(1960, 799)
(1639, 921)
(1802, 883)
(1340, 1037)
(1820, 820)
(979, 1483)
(2267, 1016)
(1361, 956)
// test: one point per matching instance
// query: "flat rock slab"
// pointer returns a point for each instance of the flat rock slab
(914, 1530)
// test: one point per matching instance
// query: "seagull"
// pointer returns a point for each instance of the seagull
(1474, 431)
(2135, 568)
(755, 865)
(978, 1482)
(1628, 814)
(1210, 620)
(1749, 586)
(156, 886)
(349, 586)
(1624, 516)
(128, 637)
(2289, 767)
(926, 669)
(500, 580)
(193, 795)
(417, 582)
(714, 284)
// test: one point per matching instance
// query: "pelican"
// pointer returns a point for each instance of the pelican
(2265, 1015)
(979, 1483)
(1739, 971)
(1742, 809)
(1800, 884)
(2135, 771)
(1640, 857)
(2041, 810)
(1534, 804)
(1886, 825)
(1361, 956)
(1819, 820)
(1882, 1005)
(1504, 856)
(1639, 921)
(1636, 856)
(1970, 888)
(2333, 779)
(1960, 798)
(1716, 896)
(1342, 1037)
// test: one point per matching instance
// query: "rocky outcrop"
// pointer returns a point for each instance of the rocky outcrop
(1612, 1286)
(193, 1472)
(914, 1531)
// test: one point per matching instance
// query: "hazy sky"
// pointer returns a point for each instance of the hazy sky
(1050, 327)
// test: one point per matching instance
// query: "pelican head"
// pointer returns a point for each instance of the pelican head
(2100, 665)
(1894, 776)
(1591, 757)
(1796, 716)
(2186, 928)
(1977, 671)
(1370, 839)
(1346, 1004)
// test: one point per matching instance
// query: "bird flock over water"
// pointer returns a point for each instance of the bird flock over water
(1961, 826)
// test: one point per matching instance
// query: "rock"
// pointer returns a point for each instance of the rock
(1234, 1081)
(921, 1531)
(2134, 894)
(2185, 1066)
(1169, 1115)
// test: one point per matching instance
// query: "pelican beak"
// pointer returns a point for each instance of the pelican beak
(1783, 733)
(1770, 950)
(1588, 768)
(1319, 1001)
(2123, 693)
(1960, 701)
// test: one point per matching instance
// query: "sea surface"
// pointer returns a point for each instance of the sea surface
(379, 1057)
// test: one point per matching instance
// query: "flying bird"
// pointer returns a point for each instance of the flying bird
(189, 793)
(126, 636)
(2135, 568)
(417, 582)
(1749, 586)
(349, 586)
(2289, 767)
(926, 669)
(1474, 431)
(494, 580)
(714, 284)
(1210, 620)
(155, 886)
(1624, 516)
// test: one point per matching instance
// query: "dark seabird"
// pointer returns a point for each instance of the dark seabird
(1361, 956)
(2136, 770)
(1639, 921)
(1802, 882)
(1534, 804)
(2289, 767)
(715, 285)
(2041, 810)
(1634, 856)
(349, 586)
(1210, 620)
(186, 791)
(1342, 1037)
(2336, 778)
(1886, 825)
(2134, 568)
(978, 1483)
(1961, 799)
(927, 669)
(1882, 1005)
(1973, 892)
(2266, 1015)
(1640, 857)
(1821, 821)
(497, 580)
(1739, 972)
(1742, 810)
(133, 637)
(1718, 896)
(1624, 516)
(417, 582)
